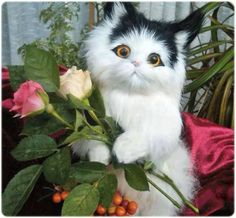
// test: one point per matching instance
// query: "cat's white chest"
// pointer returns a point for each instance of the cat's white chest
(133, 111)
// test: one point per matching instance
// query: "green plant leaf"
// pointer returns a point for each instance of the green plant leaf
(17, 76)
(82, 201)
(45, 125)
(135, 177)
(87, 172)
(40, 66)
(210, 6)
(211, 72)
(86, 133)
(56, 167)
(18, 190)
(76, 103)
(208, 46)
(112, 127)
(202, 58)
(96, 101)
(107, 187)
(33, 147)
(78, 120)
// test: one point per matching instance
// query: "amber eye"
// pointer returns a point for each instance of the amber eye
(155, 60)
(122, 51)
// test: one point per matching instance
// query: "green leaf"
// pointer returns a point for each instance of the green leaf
(96, 101)
(56, 167)
(87, 172)
(82, 201)
(33, 147)
(107, 187)
(135, 177)
(210, 6)
(40, 66)
(17, 76)
(112, 127)
(18, 189)
(86, 133)
(46, 125)
(216, 68)
(78, 120)
(78, 103)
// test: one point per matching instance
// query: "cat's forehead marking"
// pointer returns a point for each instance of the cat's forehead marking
(142, 27)
(142, 44)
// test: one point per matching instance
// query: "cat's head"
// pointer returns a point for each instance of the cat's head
(131, 53)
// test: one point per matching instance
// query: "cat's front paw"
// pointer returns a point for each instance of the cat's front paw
(100, 154)
(128, 148)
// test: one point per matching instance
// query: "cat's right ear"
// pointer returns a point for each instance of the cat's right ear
(116, 9)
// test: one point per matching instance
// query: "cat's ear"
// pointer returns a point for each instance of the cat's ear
(117, 9)
(187, 29)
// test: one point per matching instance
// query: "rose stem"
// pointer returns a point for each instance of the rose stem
(50, 109)
(164, 193)
(171, 183)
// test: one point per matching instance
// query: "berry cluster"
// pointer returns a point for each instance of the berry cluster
(121, 206)
(59, 196)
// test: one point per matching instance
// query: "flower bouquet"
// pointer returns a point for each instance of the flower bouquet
(58, 110)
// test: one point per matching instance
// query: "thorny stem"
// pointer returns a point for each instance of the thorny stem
(166, 179)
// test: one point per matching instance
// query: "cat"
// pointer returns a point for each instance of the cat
(139, 66)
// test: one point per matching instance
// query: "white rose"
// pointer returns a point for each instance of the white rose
(76, 82)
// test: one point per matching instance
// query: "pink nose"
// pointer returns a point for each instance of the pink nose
(136, 63)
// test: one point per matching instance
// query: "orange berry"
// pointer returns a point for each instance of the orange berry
(64, 195)
(132, 207)
(100, 210)
(120, 211)
(124, 203)
(111, 210)
(117, 199)
(56, 198)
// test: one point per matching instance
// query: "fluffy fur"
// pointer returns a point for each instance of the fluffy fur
(143, 99)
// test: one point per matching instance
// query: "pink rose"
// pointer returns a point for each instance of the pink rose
(29, 99)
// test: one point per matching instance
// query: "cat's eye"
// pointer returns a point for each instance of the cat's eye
(122, 51)
(155, 60)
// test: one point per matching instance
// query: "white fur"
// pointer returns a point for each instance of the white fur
(144, 100)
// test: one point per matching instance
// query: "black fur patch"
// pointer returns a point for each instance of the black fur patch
(164, 31)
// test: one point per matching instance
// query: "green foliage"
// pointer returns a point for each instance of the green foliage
(56, 167)
(107, 187)
(82, 201)
(136, 177)
(211, 69)
(45, 125)
(41, 66)
(87, 172)
(18, 189)
(59, 16)
(17, 76)
(33, 147)
(96, 102)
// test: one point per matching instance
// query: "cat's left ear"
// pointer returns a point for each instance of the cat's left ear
(187, 29)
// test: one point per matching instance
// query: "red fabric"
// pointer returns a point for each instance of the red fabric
(212, 151)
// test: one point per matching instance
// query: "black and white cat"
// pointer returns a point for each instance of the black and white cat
(139, 65)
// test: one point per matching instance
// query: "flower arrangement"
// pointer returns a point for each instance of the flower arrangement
(49, 102)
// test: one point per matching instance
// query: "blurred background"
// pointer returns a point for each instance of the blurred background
(61, 27)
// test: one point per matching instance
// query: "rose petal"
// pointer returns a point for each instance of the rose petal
(34, 103)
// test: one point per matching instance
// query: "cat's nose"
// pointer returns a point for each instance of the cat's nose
(136, 63)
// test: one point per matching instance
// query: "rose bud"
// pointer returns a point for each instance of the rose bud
(75, 82)
(30, 99)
